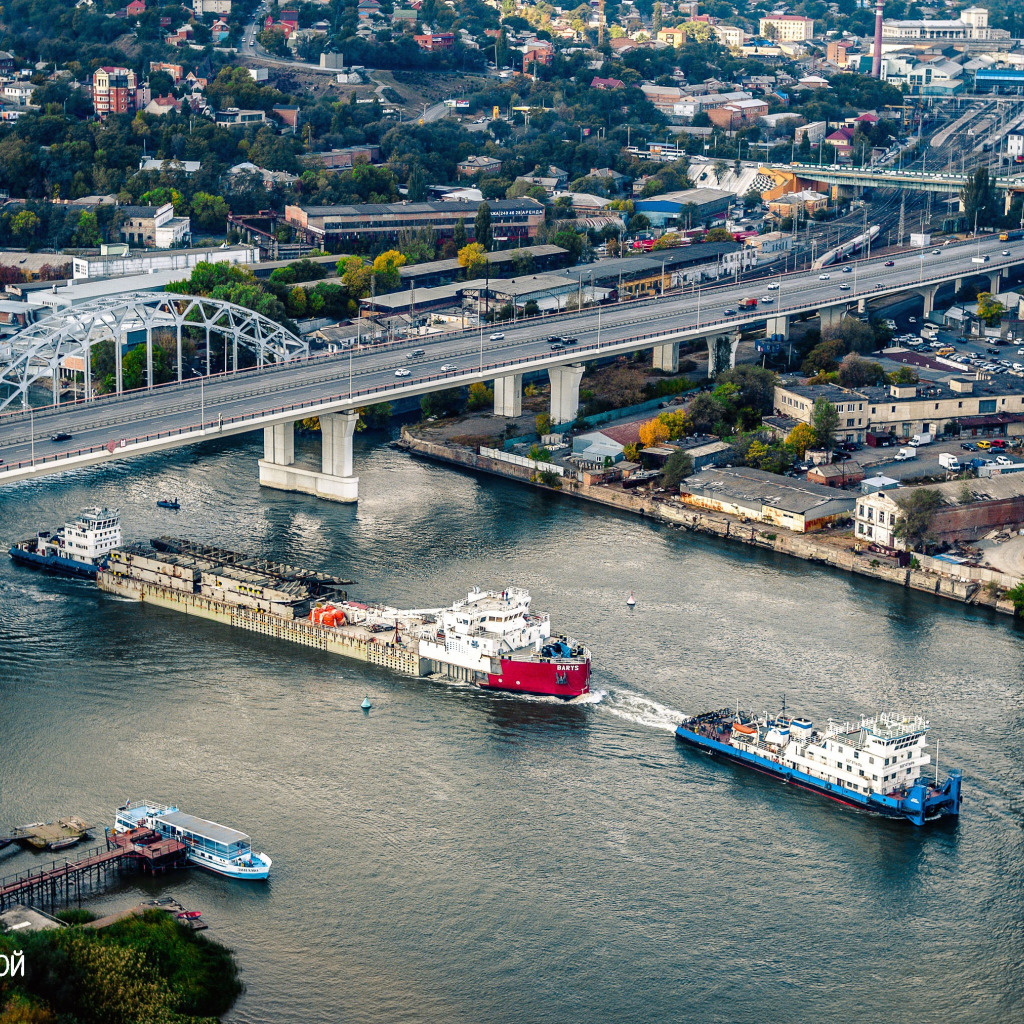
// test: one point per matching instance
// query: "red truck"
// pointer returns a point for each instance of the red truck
(748, 303)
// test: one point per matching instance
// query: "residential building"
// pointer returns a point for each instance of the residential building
(814, 132)
(803, 203)
(187, 167)
(977, 406)
(329, 226)
(201, 7)
(477, 165)
(738, 113)
(729, 35)
(18, 93)
(770, 242)
(114, 91)
(161, 105)
(435, 41)
(766, 497)
(607, 83)
(786, 28)
(875, 518)
(6, 62)
(153, 226)
(235, 118)
(1015, 145)
(343, 159)
(174, 70)
(687, 209)
(672, 37)
(288, 115)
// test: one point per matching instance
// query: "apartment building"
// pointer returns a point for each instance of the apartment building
(114, 91)
(786, 28)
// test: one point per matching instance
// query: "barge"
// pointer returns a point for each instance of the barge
(492, 639)
(875, 765)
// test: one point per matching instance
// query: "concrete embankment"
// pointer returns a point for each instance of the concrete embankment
(804, 546)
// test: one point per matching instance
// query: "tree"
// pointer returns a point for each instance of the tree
(903, 377)
(385, 270)
(990, 309)
(855, 372)
(637, 223)
(631, 452)
(87, 230)
(855, 335)
(653, 432)
(678, 466)
(978, 197)
(480, 396)
(718, 235)
(1016, 595)
(209, 212)
(459, 236)
(482, 226)
(705, 413)
(825, 421)
(24, 226)
(800, 438)
(441, 403)
(474, 258)
(542, 424)
(718, 168)
(755, 387)
(915, 516)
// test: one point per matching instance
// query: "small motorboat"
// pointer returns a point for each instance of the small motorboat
(631, 600)
(366, 705)
(190, 915)
(63, 844)
(171, 503)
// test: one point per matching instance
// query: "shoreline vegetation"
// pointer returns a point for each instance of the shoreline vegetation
(146, 968)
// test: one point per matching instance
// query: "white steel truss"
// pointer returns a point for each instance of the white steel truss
(66, 336)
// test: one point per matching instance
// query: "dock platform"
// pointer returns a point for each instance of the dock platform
(51, 835)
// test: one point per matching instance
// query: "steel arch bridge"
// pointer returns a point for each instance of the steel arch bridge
(65, 339)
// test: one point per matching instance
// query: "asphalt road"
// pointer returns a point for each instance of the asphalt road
(605, 331)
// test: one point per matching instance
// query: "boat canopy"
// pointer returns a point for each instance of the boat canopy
(225, 841)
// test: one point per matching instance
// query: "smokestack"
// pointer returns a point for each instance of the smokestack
(876, 60)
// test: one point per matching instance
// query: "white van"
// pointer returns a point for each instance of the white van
(919, 440)
(905, 454)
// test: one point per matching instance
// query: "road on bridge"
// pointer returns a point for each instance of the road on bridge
(325, 383)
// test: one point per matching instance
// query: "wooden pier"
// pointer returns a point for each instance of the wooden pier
(64, 882)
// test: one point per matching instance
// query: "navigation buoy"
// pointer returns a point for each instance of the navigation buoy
(631, 600)
(366, 705)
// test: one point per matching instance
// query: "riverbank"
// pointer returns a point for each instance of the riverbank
(139, 968)
(836, 550)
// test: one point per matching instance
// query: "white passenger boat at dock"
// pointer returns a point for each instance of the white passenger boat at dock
(215, 847)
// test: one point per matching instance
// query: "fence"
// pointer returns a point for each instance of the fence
(967, 572)
(519, 460)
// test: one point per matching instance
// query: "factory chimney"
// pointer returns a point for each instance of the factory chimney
(876, 60)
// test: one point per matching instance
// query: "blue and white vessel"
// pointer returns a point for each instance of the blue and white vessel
(875, 765)
(78, 548)
(209, 845)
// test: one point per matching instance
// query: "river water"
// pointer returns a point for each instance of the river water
(462, 856)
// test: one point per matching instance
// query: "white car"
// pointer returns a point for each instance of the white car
(935, 252)
(498, 336)
(448, 368)
(1006, 252)
(403, 372)
(1002, 460)
(911, 319)
(773, 287)
(824, 277)
(768, 299)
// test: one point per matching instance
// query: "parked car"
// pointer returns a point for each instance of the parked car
(1003, 460)
(61, 436)
(968, 447)
(984, 446)
(998, 442)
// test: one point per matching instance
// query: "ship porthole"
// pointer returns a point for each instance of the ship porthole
(517, 682)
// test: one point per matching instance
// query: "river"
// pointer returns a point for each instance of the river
(463, 856)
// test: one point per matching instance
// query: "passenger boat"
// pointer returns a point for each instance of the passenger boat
(79, 548)
(217, 848)
(875, 765)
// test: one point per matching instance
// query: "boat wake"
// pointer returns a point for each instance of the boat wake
(640, 710)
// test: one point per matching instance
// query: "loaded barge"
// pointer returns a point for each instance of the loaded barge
(875, 765)
(491, 639)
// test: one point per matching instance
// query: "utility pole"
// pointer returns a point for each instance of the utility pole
(903, 210)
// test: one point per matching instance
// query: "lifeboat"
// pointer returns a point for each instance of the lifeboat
(744, 730)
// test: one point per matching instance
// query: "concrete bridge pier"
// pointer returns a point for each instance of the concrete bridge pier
(831, 316)
(508, 395)
(666, 357)
(777, 325)
(862, 305)
(928, 294)
(722, 352)
(993, 281)
(334, 482)
(565, 392)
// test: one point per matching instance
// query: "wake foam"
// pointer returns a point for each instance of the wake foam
(642, 710)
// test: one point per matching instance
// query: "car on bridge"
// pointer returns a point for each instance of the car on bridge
(844, 287)
(498, 336)
(448, 368)
(402, 372)
(889, 263)
(767, 299)
(61, 436)
(824, 277)
(847, 270)
(729, 312)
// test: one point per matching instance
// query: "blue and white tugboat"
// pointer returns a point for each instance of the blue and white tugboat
(78, 548)
(209, 845)
(876, 765)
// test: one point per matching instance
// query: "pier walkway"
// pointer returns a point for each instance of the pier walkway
(140, 849)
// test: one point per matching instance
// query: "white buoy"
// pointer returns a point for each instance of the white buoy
(631, 600)
(366, 705)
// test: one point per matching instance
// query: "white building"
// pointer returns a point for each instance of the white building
(201, 7)
(1015, 144)
(972, 24)
(791, 28)
(875, 519)
(121, 264)
(729, 35)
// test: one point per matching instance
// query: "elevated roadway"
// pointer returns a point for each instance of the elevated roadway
(922, 181)
(335, 386)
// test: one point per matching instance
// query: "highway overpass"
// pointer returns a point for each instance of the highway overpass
(273, 397)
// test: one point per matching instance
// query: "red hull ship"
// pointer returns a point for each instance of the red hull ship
(555, 677)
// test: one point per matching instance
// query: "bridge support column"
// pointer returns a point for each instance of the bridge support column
(862, 305)
(508, 395)
(722, 352)
(666, 357)
(178, 350)
(776, 326)
(565, 392)
(149, 359)
(334, 481)
(830, 316)
(993, 281)
(957, 285)
(928, 294)
(118, 368)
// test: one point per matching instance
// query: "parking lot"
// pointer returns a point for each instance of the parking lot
(980, 354)
(882, 461)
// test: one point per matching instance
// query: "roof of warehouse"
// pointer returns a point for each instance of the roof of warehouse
(786, 493)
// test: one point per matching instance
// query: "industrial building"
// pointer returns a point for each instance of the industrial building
(766, 497)
(690, 208)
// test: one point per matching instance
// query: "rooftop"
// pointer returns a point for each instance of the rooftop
(786, 493)
(209, 829)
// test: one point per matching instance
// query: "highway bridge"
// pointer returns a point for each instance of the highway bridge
(272, 397)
